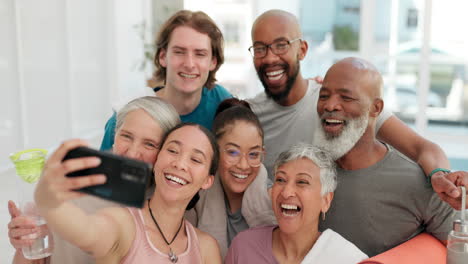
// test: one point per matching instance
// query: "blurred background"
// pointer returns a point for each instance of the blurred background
(66, 64)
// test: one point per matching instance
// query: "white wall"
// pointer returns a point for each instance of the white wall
(63, 64)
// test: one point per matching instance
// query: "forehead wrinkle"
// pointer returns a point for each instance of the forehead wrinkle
(304, 174)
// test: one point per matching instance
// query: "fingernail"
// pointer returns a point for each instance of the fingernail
(97, 161)
(455, 193)
(102, 178)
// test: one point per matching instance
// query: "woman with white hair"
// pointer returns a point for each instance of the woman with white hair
(140, 126)
(302, 192)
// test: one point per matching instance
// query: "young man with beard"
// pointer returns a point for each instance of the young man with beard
(286, 109)
(381, 200)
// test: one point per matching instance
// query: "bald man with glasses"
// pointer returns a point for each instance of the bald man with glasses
(287, 107)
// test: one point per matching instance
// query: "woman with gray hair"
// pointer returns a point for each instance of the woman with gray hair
(140, 126)
(302, 192)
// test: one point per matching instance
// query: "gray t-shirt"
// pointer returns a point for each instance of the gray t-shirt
(380, 207)
(235, 223)
(285, 126)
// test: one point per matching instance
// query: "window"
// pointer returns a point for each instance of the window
(412, 18)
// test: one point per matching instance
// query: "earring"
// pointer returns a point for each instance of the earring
(323, 216)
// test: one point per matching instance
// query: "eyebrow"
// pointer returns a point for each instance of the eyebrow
(237, 146)
(304, 174)
(340, 90)
(129, 132)
(345, 90)
(275, 40)
(299, 174)
(194, 149)
(183, 48)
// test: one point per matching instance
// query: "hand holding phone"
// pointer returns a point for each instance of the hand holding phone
(127, 179)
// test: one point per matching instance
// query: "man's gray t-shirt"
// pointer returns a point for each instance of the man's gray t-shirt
(380, 207)
(285, 126)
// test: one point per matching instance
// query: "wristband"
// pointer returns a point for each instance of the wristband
(434, 172)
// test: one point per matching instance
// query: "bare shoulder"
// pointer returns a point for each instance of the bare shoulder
(209, 247)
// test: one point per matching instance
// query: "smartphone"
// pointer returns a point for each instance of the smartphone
(127, 179)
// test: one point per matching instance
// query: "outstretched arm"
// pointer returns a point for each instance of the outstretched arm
(95, 234)
(427, 154)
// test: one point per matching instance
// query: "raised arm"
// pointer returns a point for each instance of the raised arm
(428, 155)
(95, 234)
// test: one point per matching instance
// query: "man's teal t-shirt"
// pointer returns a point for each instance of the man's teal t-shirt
(203, 113)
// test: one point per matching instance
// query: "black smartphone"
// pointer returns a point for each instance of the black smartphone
(127, 179)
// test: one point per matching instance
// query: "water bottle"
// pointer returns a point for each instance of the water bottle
(29, 164)
(457, 242)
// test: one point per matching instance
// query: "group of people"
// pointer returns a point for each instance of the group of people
(305, 172)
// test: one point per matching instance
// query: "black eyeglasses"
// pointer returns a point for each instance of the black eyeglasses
(280, 47)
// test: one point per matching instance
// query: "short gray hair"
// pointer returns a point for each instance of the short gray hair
(318, 156)
(162, 112)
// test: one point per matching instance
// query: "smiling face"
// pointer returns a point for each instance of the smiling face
(188, 60)
(296, 196)
(342, 98)
(344, 106)
(278, 72)
(138, 137)
(241, 138)
(183, 164)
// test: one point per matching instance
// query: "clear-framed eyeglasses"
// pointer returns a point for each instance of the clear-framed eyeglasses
(254, 158)
(260, 50)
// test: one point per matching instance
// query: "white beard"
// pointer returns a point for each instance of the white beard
(338, 146)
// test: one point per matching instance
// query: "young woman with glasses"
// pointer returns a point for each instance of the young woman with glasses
(241, 175)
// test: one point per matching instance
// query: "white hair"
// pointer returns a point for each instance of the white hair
(338, 146)
(162, 112)
(321, 158)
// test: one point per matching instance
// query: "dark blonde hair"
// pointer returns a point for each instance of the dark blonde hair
(200, 22)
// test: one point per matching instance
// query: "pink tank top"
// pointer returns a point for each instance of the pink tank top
(143, 251)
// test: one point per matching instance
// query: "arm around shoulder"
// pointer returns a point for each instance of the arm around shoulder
(424, 152)
(428, 155)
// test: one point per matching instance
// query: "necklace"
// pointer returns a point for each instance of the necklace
(172, 257)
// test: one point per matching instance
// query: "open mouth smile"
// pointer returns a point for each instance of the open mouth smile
(188, 76)
(275, 75)
(239, 175)
(290, 209)
(175, 179)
